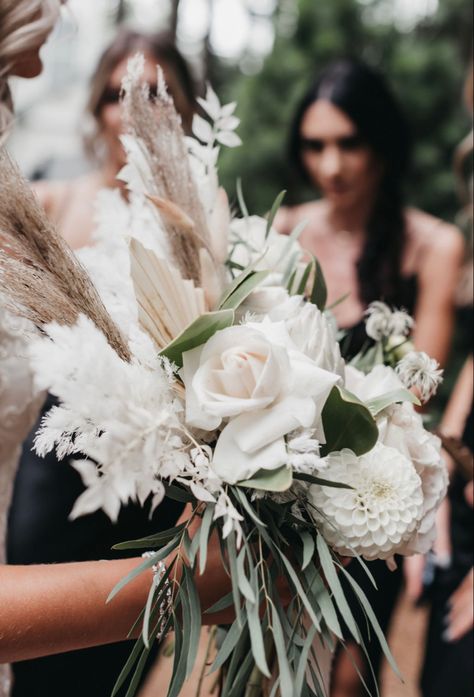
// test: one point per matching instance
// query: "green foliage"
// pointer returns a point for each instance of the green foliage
(197, 333)
(426, 68)
(347, 423)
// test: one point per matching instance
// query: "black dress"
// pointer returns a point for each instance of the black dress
(39, 532)
(447, 668)
(389, 583)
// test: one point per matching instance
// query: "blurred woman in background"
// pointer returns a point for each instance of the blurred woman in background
(45, 489)
(350, 140)
(70, 204)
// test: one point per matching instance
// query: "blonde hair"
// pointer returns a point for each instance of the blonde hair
(23, 25)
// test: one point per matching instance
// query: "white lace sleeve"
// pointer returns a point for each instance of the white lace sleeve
(19, 406)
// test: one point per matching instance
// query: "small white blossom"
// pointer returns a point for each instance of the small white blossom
(400, 323)
(303, 452)
(418, 370)
(225, 509)
(382, 322)
(378, 320)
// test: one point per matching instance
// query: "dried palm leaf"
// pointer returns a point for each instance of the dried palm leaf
(167, 303)
(39, 274)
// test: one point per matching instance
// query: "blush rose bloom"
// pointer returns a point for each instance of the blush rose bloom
(256, 381)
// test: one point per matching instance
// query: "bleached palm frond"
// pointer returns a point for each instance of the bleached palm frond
(39, 274)
(167, 303)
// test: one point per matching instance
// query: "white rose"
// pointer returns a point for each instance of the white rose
(248, 242)
(252, 376)
(314, 335)
(236, 371)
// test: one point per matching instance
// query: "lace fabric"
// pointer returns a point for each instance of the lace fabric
(19, 404)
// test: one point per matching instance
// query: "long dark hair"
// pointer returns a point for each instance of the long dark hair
(363, 95)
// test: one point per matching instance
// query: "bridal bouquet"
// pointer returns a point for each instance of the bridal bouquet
(214, 377)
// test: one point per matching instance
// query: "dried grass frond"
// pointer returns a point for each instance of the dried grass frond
(39, 274)
(156, 124)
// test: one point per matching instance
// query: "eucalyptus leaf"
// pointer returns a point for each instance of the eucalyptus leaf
(131, 660)
(334, 583)
(290, 271)
(157, 540)
(299, 589)
(347, 423)
(373, 621)
(256, 637)
(146, 564)
(194, 605)
(303, 662)
(222, 604)
(140, 667)
(179, 662)
(248, 507)
(309, 546)
(377, 404)
(204, 532)
(301, 287)
(270, 480)
(147, 614)
(238, 280)
(197, 333)
(274, 209)
(286, 676)
(234, 575)
(302, 476)
(244, 585)
(228, 645)
(243, 290)
(319, 292)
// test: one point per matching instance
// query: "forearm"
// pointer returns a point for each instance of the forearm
(460, 402)
(62, 607)
(55, 608)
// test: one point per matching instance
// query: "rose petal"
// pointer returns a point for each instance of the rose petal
(232, 464)
(195, 415)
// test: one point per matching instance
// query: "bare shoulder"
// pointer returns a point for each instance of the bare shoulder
(425, 230)
(432, 235)
(288, 217)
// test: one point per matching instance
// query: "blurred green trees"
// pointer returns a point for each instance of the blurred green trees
(426, 67)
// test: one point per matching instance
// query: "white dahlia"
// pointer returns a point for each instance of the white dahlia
(401, 427)
(380, 513)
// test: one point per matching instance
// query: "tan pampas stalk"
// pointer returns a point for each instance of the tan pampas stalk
(158, 126)
(39, 275)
